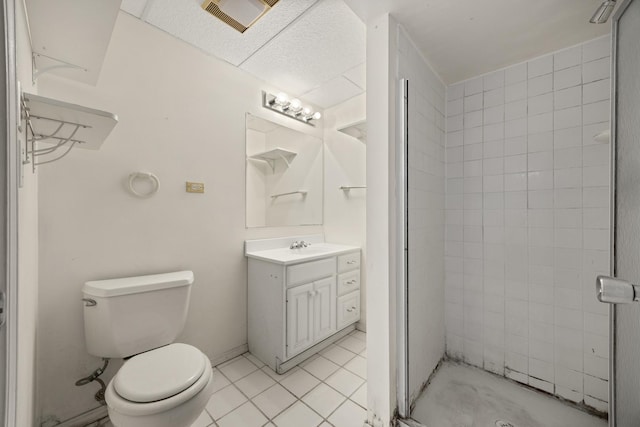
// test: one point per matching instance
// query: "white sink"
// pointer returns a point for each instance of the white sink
(291, 256)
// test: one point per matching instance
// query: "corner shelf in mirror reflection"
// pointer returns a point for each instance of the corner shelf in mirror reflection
(271, 156)
(357, 130)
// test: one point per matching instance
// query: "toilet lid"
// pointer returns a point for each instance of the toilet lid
(160, 373)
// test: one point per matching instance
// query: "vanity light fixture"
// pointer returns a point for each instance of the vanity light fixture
(239, 14)
(293, 108)
(604, 12)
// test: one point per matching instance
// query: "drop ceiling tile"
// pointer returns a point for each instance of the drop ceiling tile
(358, 75)
(134, 7)
(332, 93)
(326, 41)
(186, 20)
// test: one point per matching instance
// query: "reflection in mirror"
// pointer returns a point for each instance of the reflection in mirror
(284, 182)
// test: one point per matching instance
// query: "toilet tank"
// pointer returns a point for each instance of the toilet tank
(131, 315)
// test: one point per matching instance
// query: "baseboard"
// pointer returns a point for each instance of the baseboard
(234, 352)
(85, 418)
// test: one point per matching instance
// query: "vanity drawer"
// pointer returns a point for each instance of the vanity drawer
(310, 271)
(348, 309)
(349, 261)
(348, 282)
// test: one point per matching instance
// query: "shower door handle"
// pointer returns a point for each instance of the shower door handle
(616, 291)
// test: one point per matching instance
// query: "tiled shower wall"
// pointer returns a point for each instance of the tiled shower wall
(527, 214)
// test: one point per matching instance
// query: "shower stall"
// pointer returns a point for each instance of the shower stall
(511, 201)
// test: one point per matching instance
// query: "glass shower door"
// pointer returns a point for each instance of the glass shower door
(625, 323)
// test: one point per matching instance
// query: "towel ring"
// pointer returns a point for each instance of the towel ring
(144, 175)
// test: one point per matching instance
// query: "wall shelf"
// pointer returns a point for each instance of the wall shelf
(271, 156)
(62, 126)
(357, 130)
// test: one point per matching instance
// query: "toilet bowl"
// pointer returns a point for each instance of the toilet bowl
(165, 387)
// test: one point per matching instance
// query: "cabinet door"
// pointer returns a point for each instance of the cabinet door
(299, 318)
(324, 308)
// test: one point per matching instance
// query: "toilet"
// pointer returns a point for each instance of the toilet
(162, 383)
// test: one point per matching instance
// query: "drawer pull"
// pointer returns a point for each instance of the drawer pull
(352, 282)
(351, 262)
(351, 309)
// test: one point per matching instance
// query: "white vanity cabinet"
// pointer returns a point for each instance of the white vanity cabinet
(298, 307)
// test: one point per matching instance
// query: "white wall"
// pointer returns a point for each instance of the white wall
(426, 171)
(527, 222)
(28, 251)
(345, 164)
(182, 117)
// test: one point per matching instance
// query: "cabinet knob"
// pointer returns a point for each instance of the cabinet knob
(351, 282)
(313, 293)
(351, 262)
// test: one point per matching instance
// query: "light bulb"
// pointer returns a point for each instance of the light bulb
(295, 105)
(317, 115)
(306, 111)
(282, 99)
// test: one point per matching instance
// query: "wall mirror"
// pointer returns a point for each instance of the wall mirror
(284, 175)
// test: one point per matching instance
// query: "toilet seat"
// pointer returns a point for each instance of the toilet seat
(125, 406)
(160, 373)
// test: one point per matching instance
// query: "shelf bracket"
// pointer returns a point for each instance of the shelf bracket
(37, 72)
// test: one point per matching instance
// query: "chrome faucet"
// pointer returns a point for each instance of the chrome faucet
(299, 245)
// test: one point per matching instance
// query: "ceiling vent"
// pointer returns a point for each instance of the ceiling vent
(239, 14)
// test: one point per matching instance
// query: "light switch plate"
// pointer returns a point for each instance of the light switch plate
(195, 187)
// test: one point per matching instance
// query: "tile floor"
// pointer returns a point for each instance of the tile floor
(329, 389)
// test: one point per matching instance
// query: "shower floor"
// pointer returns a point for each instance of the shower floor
(463, 396)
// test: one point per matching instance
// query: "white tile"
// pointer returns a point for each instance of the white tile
(568, 178)
(204, 420)
(542, 141)
(542, 160)
(513, 164)
(596, 70)
(596, 112)
(494, 97)
(455, 107)
(225, 401)
(473, 86)
(323, 399)
(515, 128)
(596, 387)
(569, 137)
(540, 66)
(472, 152)
(567, 158)
(541, 199)
(455, 123)
(493, 149)
(320, 367)
(348, 415)
(278, 377)
(567, 78)
(219, 381)
(337, 355)
(565, 98)
(540, 85)
(567, 58)
(493, 115)
(254, 360)
(473, 136)
(473, 103)
(473, 119)
(246, 416)
(596, 218)
(540, 123)
(493, 166)
(455, 91)
(596, 155)
(494, 80)
(345, 382)
(597, 91)
(515, 92)
(596, 49)
(595, 176)
(515, 74)
(300, 382)
(357, 365)
(515, 110)
(237, 368)
(298, 415)
(596, 197)
(455, 139)
(568, 118)
(493, 132)
(515, 182)
(254, 383)
(540, 104)
(493, 183)
(352, 344)
(566, 198)
(540, 180)
(274, 400)
(360, 396)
